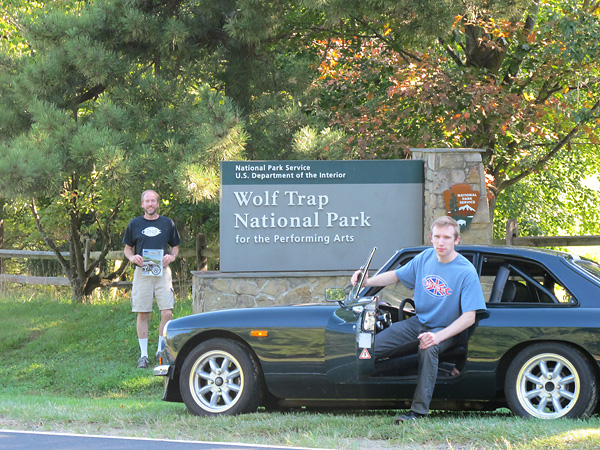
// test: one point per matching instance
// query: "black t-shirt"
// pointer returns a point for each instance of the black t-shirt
(156, 234)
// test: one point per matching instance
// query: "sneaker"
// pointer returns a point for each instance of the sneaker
(410, 416)
(143, 362)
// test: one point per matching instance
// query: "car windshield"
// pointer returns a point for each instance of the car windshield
(591, 267)
(360, 282)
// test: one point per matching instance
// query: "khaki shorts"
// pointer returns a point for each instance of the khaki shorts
(145, 288)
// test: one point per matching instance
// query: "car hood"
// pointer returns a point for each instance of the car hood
(314, 314)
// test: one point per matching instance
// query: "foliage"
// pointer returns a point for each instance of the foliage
(275, 86)
(557, 201)
(520, 86)
(99, 101)
(104, 104)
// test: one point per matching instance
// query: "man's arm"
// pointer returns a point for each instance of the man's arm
(430, 339)
(383, 279)
(136, 259)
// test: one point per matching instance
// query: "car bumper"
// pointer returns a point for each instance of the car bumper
(162, 370)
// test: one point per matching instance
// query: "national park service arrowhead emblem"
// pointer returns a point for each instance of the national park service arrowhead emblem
(461, 203)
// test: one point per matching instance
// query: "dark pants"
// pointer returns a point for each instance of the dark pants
(401, 337)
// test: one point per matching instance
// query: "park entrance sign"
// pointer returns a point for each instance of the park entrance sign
(281, 216)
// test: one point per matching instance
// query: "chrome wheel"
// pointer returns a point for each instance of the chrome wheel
(551, 380)
(217, 381)
(548, 386)
(220, 377)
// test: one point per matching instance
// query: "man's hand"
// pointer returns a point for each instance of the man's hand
(464, 321)
(355, 277)
(168, 259)
(137, 260)
(383, 279)
(428, 339)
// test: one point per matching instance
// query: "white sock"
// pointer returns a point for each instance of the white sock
(161, 343)
(143, 347)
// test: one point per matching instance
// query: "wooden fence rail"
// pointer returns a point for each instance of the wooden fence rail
(201, 253)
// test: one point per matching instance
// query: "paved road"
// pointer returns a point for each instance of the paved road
(25, 440)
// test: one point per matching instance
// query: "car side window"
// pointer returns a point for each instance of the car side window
(512, 282)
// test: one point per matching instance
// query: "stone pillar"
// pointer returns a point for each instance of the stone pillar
(445, 167)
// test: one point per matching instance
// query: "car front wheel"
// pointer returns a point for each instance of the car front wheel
(548, 381)
(219, 377)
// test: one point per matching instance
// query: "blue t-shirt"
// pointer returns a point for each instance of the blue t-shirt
(155, 234)
(443, 291)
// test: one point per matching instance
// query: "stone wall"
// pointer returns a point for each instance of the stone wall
(219, 290)
(443, 169)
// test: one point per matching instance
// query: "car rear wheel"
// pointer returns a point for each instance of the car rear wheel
(219, 377)
(548, 381)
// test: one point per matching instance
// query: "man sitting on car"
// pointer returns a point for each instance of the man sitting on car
(447, 296)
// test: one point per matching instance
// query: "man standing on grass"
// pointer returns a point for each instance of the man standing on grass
(151, 243)
(447, 295)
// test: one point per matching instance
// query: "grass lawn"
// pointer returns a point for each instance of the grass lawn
(71, 368)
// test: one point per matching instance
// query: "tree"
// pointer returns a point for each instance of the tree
(101, 101)
(267, 66)
(522, 86)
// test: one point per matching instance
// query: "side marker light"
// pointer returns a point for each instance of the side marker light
(259, 333)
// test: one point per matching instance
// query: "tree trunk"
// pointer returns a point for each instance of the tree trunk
(79, 276)
(238, 73)
(492, 205)
(77, 290)
(69, 267)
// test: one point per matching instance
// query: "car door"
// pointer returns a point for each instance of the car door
(399, 376)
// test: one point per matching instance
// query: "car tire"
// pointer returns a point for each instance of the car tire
(220, 377)
(551, 380)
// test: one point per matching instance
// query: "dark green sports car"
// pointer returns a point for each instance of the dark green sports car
(535, 350)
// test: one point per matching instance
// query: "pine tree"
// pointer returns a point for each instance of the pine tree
(99, 101)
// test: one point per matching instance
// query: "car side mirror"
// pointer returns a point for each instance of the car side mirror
(335, 294)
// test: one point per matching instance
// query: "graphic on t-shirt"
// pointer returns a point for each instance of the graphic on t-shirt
(436, 286)
(151, 231)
